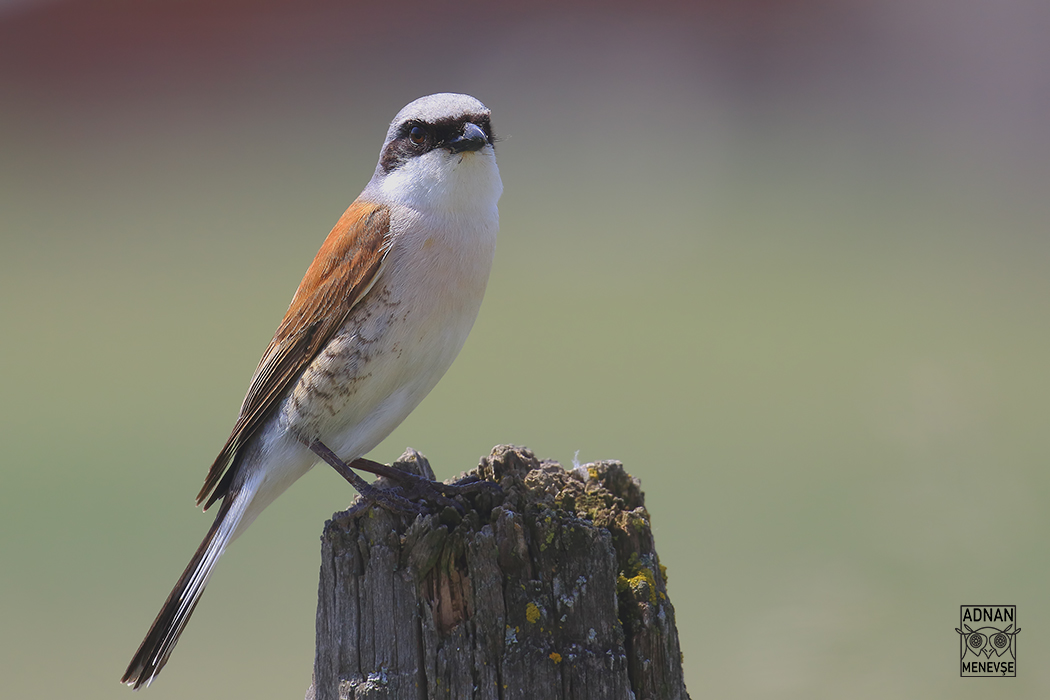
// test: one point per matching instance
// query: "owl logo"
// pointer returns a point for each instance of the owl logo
(988, 641)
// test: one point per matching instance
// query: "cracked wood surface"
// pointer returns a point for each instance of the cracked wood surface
(552, 591)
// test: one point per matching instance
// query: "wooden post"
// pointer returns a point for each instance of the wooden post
(553, 591)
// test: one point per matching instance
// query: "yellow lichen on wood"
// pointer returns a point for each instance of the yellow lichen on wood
(642, 585)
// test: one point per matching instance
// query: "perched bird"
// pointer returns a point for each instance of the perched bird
(378, 318)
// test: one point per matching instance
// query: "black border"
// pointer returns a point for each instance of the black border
(961, 657)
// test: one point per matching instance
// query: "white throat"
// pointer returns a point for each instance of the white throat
(440, 182)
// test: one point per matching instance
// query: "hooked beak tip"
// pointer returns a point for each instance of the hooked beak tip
(472, 139)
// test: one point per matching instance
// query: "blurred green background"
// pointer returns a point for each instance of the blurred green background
(788, 261)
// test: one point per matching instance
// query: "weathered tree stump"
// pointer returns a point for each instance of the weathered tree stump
(552, 591)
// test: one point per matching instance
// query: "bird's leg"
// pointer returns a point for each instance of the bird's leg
(416, 486)
(388, 500)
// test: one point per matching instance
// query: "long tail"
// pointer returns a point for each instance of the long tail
(164, 634)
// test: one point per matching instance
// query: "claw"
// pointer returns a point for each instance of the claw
(412, 487)
(392, 502)
(429, 490)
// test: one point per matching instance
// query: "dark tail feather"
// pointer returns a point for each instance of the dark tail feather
(164, 633)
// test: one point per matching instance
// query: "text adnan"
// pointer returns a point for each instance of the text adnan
(988, 614)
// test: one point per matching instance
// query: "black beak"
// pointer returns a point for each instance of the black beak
(472, 139)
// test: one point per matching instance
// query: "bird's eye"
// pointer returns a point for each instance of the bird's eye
(418, 135)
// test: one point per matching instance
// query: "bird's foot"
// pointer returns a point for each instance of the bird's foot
(426, 486)
(412, 490)
(383, 497)
(415, 487)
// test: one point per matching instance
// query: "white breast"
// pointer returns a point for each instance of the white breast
(403, 336)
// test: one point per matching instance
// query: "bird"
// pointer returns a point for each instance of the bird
(380, 315)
